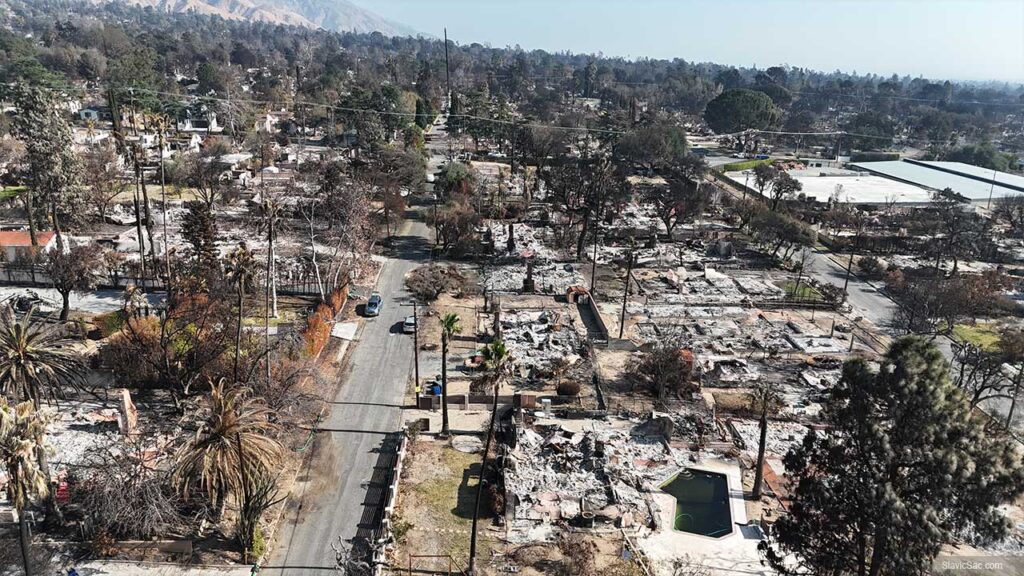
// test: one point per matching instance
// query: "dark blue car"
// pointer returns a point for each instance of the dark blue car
(373, 304)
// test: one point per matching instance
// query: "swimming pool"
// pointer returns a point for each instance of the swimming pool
(702, 502)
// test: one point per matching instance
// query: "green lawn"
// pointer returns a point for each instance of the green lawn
(982, 335)
(805, 292)
(10, 192)
(742, 165)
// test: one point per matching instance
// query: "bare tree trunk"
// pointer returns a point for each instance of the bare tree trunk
(28, 200)
(759, 471)
(65, 305)
(238, 332)
(26, 542)
(53, 513)
(56, 226)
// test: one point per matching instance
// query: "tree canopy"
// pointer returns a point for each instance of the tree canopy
(738, 110)
(903, 466)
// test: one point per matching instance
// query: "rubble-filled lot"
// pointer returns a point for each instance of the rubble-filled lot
(548, 278)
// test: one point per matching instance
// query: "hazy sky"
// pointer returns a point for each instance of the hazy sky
(956, 39)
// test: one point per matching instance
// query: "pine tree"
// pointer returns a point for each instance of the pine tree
(904, 466)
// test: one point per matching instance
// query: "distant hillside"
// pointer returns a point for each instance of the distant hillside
(338, 15)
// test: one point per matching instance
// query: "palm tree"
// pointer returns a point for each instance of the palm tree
(232, 439)
(240, 271)
(449, 326)
(21, 427)
(764, 398)
(496, 361)
(35, 360)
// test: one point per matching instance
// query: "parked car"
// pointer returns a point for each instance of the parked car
(373, 304)
(409, 326)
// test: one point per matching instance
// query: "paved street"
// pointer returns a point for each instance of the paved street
(330, 499)
(368, 406)
(866, 301)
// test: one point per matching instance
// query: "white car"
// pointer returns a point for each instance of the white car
(409, 326)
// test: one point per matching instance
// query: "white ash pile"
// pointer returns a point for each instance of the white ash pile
(782, 436)
(585, 479)
(548, 278)
(543, 342)
(529, 241)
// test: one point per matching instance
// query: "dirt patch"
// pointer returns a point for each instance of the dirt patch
(435, 508)
(465, 308)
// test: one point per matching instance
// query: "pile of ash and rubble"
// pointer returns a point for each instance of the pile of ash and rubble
(542, 342)
(599, 473)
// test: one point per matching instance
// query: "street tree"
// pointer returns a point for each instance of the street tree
(450, 326)
(902, 467)
(739, 110)
(764, 177)
(783, 186)
(102, 178)
(76, 269)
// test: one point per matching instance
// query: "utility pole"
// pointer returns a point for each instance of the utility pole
(480, 482)
(593, 265)
(447, 73)
(416, 348)
(625, 294)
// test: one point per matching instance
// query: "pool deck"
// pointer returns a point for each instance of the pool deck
(734, 554)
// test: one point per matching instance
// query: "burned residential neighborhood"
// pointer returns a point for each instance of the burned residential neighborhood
(307, 287)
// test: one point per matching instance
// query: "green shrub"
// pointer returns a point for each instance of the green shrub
(259, 544)
(110, 323)
(743, 165)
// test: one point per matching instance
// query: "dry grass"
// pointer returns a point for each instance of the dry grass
(437, 497)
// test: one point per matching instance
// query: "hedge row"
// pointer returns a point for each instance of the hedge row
(318, 323)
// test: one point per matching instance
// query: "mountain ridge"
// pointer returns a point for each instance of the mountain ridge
(336, 15)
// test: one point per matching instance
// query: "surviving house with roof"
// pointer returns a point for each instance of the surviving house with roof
(17, 244)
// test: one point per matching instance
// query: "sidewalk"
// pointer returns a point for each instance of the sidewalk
(97, 567)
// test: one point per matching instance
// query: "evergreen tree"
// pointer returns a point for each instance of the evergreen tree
(903, 468)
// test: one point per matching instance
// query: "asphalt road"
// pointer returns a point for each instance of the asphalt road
(368, 407)
(865, 300)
